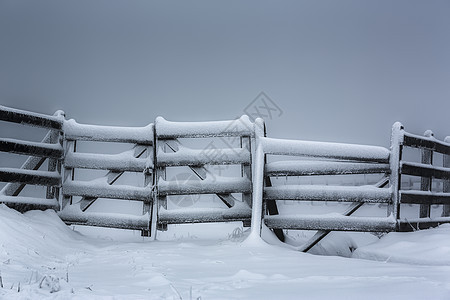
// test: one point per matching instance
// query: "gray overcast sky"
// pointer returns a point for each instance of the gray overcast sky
(339, 70)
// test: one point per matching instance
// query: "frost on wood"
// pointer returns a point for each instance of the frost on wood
(124, 161)
(332, 221)
(216, 185)
(195, 157)
(239, 127)
(139, 135)
(325, 150)
(197, 215)
(104, 190)
(328, 193)
(296, 168)
(72, 214)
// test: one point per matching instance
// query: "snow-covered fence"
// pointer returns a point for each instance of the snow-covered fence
(428, 171)
(50, 149)
(170, 153)
(157, 149)
(138, 159)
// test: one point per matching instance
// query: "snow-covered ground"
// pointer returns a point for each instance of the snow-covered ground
(40, 257)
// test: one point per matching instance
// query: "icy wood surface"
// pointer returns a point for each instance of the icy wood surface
(31, 118)
(104, 190)
(239, 127)
(195, 157)
(325, 150)
(216, 185)
(330, 221)
(72, 214)
(322, 168)
(139, 135)
(124, 161)
(328, 193)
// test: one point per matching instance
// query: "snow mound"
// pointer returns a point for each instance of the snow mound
(424, 247)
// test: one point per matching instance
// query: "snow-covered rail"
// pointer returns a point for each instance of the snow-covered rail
(142, 174)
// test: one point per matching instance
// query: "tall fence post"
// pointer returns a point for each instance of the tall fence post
(425, 182)
(258, 178)
(394, 163)
(446, 184)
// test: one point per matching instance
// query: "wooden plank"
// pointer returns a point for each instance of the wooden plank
(32, 201)
(84, 132)
(202, 215)
(173, 130)
(408, 225)
(25, 117)
(367, 194)
(307, 168)
(198, 157)
(351, 152)
(93, 189)
(424, 197)
(110, 220)
(423, 170)
(425, 182)
(416, 141)
(31, 148)
(331, 222)
(30, 177)
(211, 186)
(104, 162)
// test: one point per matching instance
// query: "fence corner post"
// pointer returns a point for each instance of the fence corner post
(394, 164)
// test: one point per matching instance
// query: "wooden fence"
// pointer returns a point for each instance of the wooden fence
(250, 196)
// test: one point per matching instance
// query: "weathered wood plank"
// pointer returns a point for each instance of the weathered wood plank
(31, 148)
(202, 215)
(117, 162)
(424, 197)
(44, 178)
(208, 186)
(169, 130)
(425, 182)
(368, 194)
(352, 152)
(111, 220)
(84, 132)
(423, 170)
(198, 157)
(25, 117)
(330, 222)
(407, 225)
(29, 201)
(97, 190)
(307, 168)
(429, 143)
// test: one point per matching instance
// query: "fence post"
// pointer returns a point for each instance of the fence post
(446, 183)
(394, 163)
(425, 182)
(258, 178)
